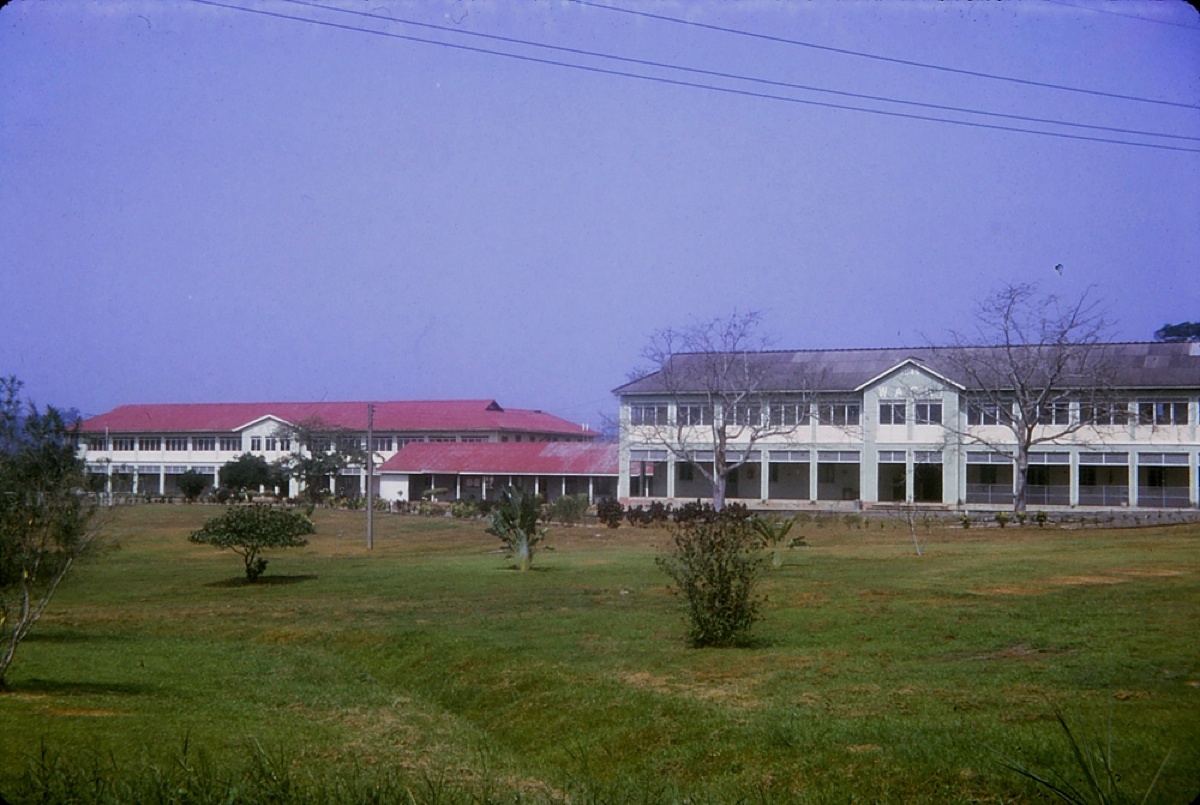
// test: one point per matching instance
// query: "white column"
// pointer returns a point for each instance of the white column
(671, 473)
(910, 470)
(1074, 499)
(764, 471)
(1133, 478)
(812, 475)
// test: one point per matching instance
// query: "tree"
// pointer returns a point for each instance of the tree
(191, 484)
(1039, 355)
(249, 472)
(249, 530)
(716, 563)
(1185, 331)
(46, 519)
(321, 451)
(515, 522)
(715, 378)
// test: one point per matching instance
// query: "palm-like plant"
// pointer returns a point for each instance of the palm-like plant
(515, 522)
(773, 532)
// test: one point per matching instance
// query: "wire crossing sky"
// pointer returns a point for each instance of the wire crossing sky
(211, 200)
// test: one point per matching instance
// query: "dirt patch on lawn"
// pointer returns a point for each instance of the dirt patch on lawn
(1116, 576)
(717, 688)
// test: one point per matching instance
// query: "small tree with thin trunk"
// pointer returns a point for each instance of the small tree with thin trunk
(249, 530)
(46, 519)
(1031, 357)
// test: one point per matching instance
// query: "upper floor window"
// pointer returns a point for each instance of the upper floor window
(928, 412)
(788, 414)
(446, 439)
(695, 414)
(285, 443)
(647, 414)
(350, 442)
(122, 444)
(256, 443)
(475, 439)
(204, 443)
(1163, 413)
(381, 444)
(149, 443)
(175, 443)
(1056, 412)
(321, 444)
(839, 413)
(97, 443)
(747, 415)
(892, 413)
(271, 443)
(231, 443)
(1105, 413)
(986, 412)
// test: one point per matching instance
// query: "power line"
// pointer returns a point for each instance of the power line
(889, 59)
(696, 85)
(1093, 9)
(752, 79)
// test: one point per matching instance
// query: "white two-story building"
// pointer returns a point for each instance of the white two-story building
(859, 428)
(143, 449)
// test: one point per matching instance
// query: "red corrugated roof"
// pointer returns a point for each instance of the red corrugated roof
(432, 415)
(505, 458)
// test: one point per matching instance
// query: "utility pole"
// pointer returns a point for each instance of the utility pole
(370, 476)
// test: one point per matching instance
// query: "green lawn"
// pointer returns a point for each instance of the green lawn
(875, 675)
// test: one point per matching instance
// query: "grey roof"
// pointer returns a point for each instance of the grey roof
(1128, 365)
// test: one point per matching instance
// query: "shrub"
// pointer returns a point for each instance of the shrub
(464, 509)
(1041, 519)
(716, 567)
(568, 509)
(636, 515)
(515, 522)
(658, 513)
(773, 532)
(247, 530)
(610, 512)
(965, 520)
(694, 511)
(1002, 518)
(191, 484)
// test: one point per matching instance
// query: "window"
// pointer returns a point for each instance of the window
(204, 443)
(474, 439)
(928, 413)
(986, 412)
(231, 444)
(403, 440)
(382, 444)
(1163, 413)
(271, 444)
(350, 443)
(1111, 413)
(256, 443)
(695, 415)
(686, 472)
(446, 439)
(1057, 412)
(97, 444)
(122, 444)
(891, 413)
(321, 444)
(844, 413)
(747, 415)
(648, 414)
(788, 414)
(149, 443)
(285, 443)
(175, 443)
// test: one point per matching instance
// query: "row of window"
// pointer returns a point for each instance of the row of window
(777, 414)
(919, 412)
(384, 444)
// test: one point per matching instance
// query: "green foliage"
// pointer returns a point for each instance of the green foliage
(568, 509)
(248, 530)
(321, 452)
(191, 484)
(248, 472)
(1184, 331)
(46, 519)
(773, 531)
(716, 565)
(464, 509)
(965, 520)
(1002, 518)
(1094, 780)
(1041, 517)
(610, 512)
(515, 522)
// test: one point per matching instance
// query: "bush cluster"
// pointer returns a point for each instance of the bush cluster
(716, 562)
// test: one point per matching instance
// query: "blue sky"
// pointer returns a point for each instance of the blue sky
(201, 203)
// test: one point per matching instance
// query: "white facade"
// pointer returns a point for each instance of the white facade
(905, 436)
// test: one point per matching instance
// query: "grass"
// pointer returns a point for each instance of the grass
(430, 667)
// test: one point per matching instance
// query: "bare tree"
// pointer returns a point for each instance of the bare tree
(722, 397)
(1031, 360)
